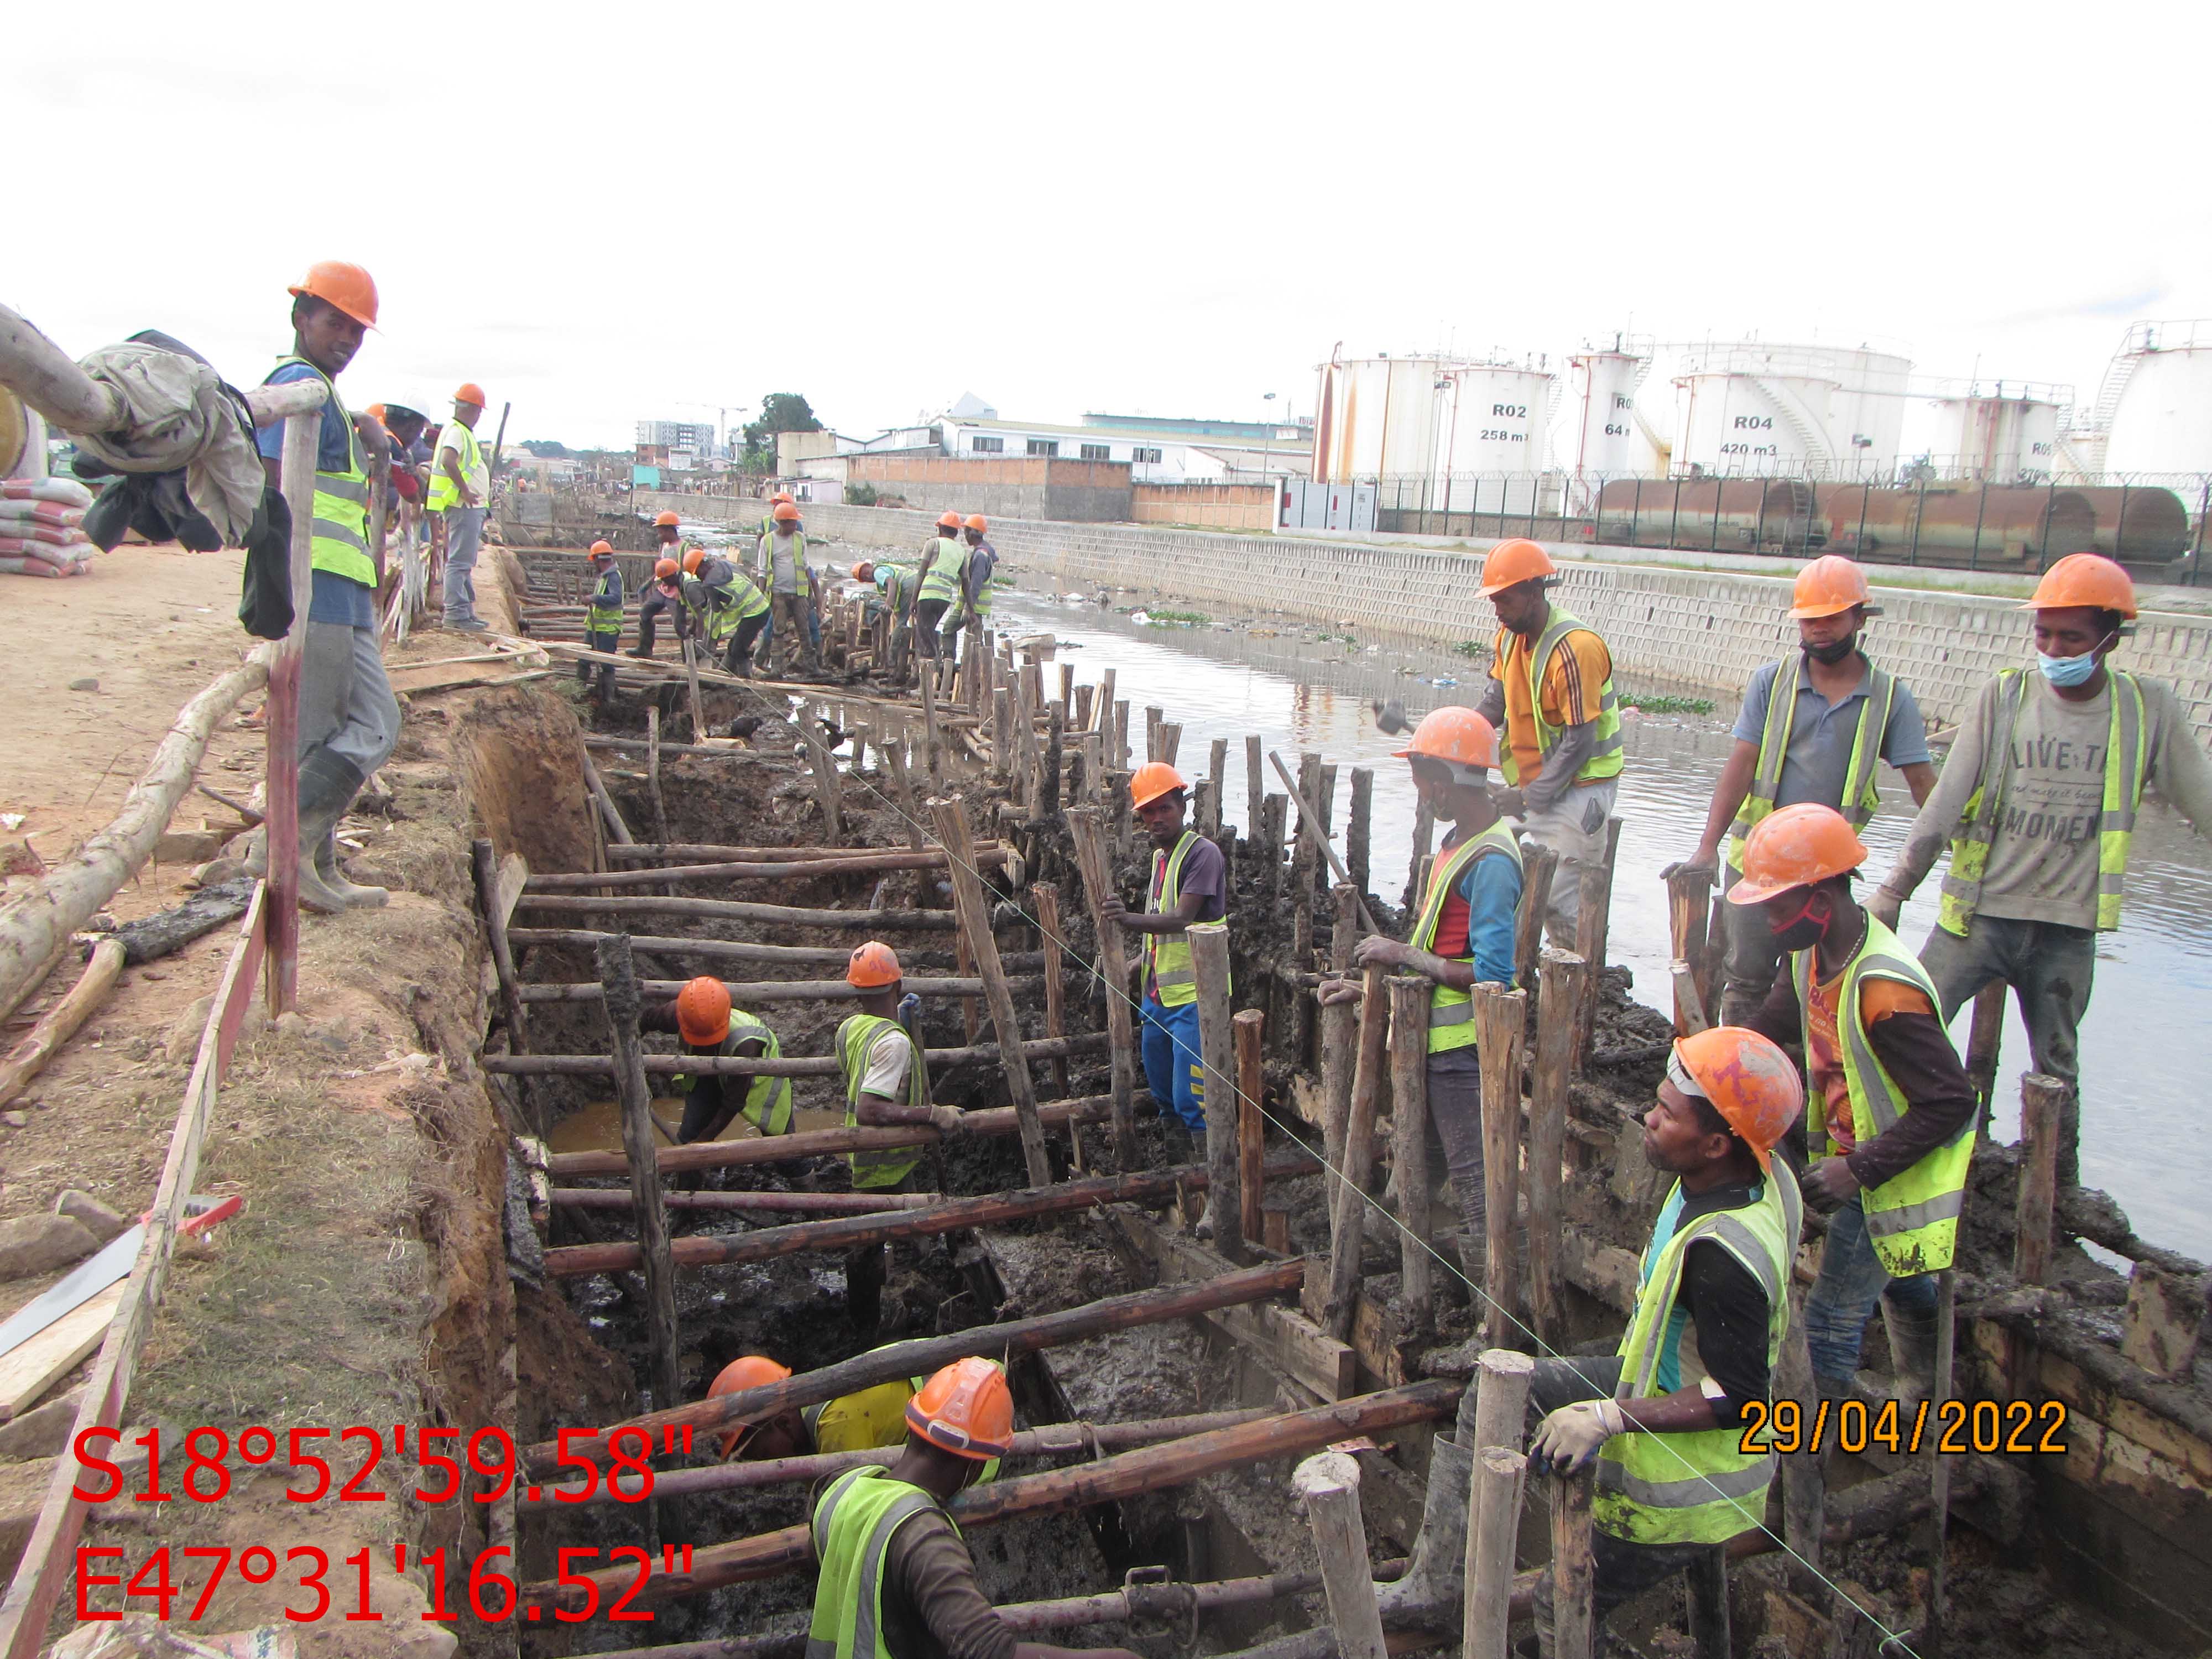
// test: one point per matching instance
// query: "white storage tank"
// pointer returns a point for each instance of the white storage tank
(1608, 443)
(1748, 407)
(2004, 438)
(1377, 416)
(1497, 419)
(2162, 421)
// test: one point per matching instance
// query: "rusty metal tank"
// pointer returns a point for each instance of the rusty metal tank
(1954, 523)
(2144, 523)
(1743, 515)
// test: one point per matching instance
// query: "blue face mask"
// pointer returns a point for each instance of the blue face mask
(2069, 670)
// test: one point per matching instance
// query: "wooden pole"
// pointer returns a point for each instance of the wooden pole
(619, 974)
(1348, 1215)
(1424, 830)
(1209, 961)
(1804, 1472)
(826, 789)
(1045, 896)
(1047, 795)
(699, 732)
(1217, 770)
(826, 861)
(1080, 714)
(1255, 788)
(1590, 924)
(1689, 895)
(1310, 819)
(909, 808)
(484, 866)
(760, 1203)
(1550, 1081)
(975, 913)
(1574, 1574)
(1338, 1026)
(1088, 835)
(1499, 1476)
(1250, 1030)
(1706, 1582)
(2042, 1106)
(1171, 740)
(28, 1058)
(1154, 716)
(1503, 1379)
(302, 433)
(1103, 710)
(888, 920)
(1984, 1042)
(1272, 813)
(1328, 1484)
(934, 738)
(1409, 1122)
(1500, 1021)
(963, 962)
(1002, 735)
(789, 1066)
(616, 828)
(1939, 1467)
(652, 772)
(1357, 850)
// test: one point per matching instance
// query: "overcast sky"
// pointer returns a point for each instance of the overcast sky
(637, 211)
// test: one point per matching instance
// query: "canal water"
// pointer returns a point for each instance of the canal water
(1304, 688)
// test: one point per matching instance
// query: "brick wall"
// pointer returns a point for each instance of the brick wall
(1666, 627)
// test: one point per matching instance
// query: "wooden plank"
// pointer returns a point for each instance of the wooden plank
(30, 1369)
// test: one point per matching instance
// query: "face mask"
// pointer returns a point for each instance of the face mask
(2069, 671)
(1807, 928)
(1835, 650)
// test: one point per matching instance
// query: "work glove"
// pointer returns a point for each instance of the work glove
(1570, 1435)
(946, 1120)
(910, 1008)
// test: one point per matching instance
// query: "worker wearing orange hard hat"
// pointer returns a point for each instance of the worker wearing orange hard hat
(460, 490)
(790, 584)
(974, 610)
(669, 542)
(1675, 1481)
(1889, 1117)
(1189, 889)
(864, 1420)
(886, 1085)
(895, 1580)
(943, 588)
(1814, 726)
(1551, 694)
(603, 616)
(1461, 936)
(348, 717)
(706, 1023)
(781, 498)
(2038, 800)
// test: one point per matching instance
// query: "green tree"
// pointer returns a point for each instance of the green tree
(781, 412)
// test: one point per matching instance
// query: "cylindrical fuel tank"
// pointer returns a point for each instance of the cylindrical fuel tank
(1735, 514)
(1954, 522)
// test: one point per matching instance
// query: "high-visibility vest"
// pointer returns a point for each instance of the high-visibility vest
(768, 1101)
(1913, 1217)
(726, 598)
(605, 614)
(1605, 756)
(852, 1533)
(896, 584)
(1700, 1487)
(1860, 793)
(2126, 753)
(444, 492)
(1167, 955)
(872, 1417)
(340, 513)
(990, 572)
(801, 574)
(1451, 1012)
(876, 1166)
(943, 582)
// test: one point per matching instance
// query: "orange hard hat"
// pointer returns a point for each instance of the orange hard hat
(693, 558)
(348, 287)
(874, 965)
(1793, 846)
(948, 520)
(1832, 583)
(965, 1409)
(664, 568)
(702, 1011)
(470, 392)
(1454, 733)
(2085, 579)
(599, 548)
(977, 523)
(1749, 1081)
(752, 1370)
(377, 410)
(1510, 563)
(785, 513)
(665, 520)
(779, 495)
(1152, 780)
(864, 571)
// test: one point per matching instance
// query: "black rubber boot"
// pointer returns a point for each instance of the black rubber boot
(328, 783)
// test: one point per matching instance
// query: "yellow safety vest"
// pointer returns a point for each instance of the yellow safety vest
(1913, 1217)
(982, 601)
(340, 513)
(870, 1418)
(444, 492)
(1605, 756)
(852, 1533)
(767, 1101)
(1699, 1487)
(604, 618)
(943, 582)
(2126, 755)
(1167, 957)
(801, 574)
(1451, 1012)
(878, 1166)
(1862, 794)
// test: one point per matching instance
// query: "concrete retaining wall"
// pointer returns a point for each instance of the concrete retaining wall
(1007, 487)
(1666, 627)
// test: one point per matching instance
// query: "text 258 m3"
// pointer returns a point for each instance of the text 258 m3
(491, 1595)
(489, 1454)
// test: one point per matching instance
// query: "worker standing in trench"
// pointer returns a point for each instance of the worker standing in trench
(896, 583)
(1551, 692)
(1889, 1118)
(460, 487)
(668, 537)
(943, 583)
(1189, 885)
(726, 608)
(1813, 728)
(974, 610)
(1674, 1482)
(885, 1086)
(1462, 936)
(348, 719)
(896, 1581)
(703, 1020)
(2038, 802)
(602, 615)
(864, 1420)
(791, 591)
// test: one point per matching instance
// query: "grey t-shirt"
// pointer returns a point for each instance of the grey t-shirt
(1819, 759)
(783, 560)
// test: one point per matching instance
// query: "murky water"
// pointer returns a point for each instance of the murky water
(2141, 1140)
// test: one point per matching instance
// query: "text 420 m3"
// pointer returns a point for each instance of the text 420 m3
(482, 1467)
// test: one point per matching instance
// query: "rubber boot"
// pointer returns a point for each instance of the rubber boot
(1911, 1353)
(357, 896)
(1432, 1592)
(328, 783)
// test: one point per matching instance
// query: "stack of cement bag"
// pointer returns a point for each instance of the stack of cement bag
(41, 527)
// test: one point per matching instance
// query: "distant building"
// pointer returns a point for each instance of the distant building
(1153, 454)
(697, 437)
(1259, 432)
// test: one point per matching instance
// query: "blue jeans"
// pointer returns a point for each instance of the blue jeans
(1173, 1067)
(1852, 1279)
